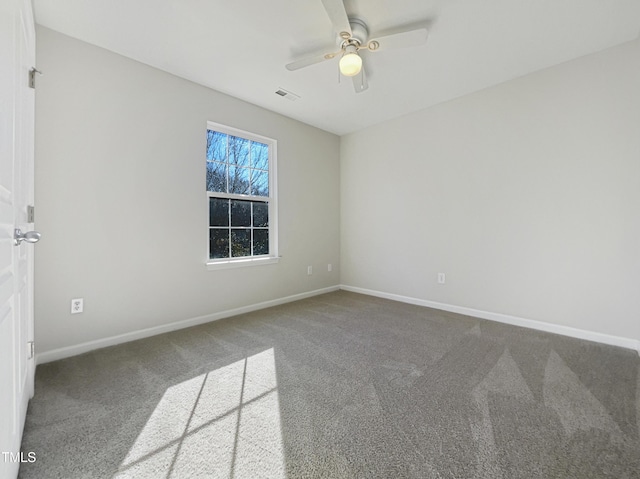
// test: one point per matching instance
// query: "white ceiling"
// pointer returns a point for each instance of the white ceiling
(241, 47)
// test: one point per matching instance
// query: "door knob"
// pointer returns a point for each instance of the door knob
(29, 236)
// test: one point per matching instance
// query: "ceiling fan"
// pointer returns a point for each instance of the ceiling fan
(353, 36)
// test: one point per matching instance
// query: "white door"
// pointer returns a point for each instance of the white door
(17, 58)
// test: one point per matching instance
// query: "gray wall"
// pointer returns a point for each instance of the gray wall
(526, 195)
(121, 199)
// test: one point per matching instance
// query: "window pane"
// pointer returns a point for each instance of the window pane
(260, 242)
(259, 155)
(260, 214)
(238, 180)
(240, 213)
(218, 212)
(216, 176)
(238, 151)
(218, 243)
(259, 183)
(216, 146)
(240, 243)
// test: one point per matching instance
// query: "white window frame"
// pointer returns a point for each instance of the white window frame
(272, 257)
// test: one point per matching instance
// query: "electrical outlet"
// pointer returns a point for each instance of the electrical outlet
(309, 270)
(441, 278)
(329, 267)
(77, 305)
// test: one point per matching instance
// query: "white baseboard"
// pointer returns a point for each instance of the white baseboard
(505, 318)
(61, 353)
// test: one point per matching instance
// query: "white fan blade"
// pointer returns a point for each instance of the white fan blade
(410, 38)
(305, 62)
(360, 83)
(338, 16)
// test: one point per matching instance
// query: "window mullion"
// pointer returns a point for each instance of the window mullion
(226, 168)
(229, 215)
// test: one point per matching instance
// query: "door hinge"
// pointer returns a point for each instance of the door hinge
(31, 211)
(31, 348)
(32, 77)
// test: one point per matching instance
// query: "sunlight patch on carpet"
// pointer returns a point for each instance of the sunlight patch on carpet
(225, 423)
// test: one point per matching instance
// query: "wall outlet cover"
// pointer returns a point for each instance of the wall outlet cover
(77, 305)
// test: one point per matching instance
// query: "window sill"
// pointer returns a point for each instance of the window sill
(239, 263)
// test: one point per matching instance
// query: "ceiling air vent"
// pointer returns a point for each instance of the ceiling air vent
(287, 94)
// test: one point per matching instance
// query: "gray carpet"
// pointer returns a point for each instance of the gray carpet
(340, 386)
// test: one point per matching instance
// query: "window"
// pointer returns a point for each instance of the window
(241, 193)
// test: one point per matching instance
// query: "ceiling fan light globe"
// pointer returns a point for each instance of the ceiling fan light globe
(350, 64)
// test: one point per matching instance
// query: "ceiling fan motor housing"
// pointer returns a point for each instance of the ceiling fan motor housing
(359, 34)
